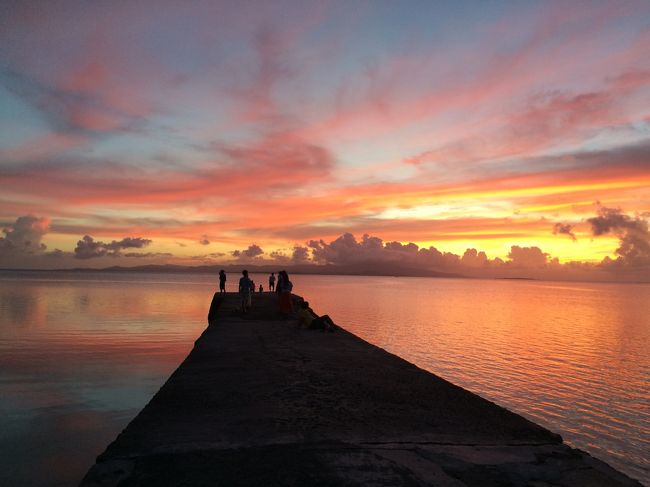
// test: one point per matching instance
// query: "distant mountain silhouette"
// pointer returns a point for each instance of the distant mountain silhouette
(363, 269)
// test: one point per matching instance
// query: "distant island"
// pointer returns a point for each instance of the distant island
(367, 269)
(519, 278)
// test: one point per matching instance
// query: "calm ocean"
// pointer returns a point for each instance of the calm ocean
(82, 353)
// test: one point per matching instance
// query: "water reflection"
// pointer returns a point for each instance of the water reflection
(575, 358)
(19, 306)
(81, 355)
(77, 361)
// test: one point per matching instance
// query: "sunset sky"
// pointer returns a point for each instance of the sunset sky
(208, 132)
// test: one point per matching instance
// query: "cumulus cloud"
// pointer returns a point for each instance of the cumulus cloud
(633, 234)
(300, 254)
(251, 252)
(613, 220)
(564, 229)
(89, 248)
(474, 258)
(129, 243)
(280, 257)
(22, 244)
(531, 257)
(371, 254)
(346, 250)
(24, 235)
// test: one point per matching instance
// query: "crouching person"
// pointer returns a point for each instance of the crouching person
(307, 319)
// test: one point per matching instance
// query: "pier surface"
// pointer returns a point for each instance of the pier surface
(259, 402)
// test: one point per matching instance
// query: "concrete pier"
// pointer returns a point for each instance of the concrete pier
(259, 402)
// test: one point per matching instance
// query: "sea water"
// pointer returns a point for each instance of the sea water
(82, 352)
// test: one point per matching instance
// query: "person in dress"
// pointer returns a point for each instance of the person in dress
(245, 289)
(279, 285)
(284, 290)
(222, 281)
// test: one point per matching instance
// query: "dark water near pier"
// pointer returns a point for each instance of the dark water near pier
(81, 354)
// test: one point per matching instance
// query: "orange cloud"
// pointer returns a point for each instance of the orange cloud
(268, 124)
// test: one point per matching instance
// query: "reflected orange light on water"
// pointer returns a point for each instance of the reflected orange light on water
(87, 355)
(573, 357)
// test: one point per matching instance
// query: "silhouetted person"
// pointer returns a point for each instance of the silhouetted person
(308, 319)
(284, 290)
(261, 289)
(272, 282)
(222, 281)
(280, 277)
(245, 289)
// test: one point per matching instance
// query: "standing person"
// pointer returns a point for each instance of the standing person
(272, 282)
(280, 277)
(245, 289)
(284, 288)
(222, 281)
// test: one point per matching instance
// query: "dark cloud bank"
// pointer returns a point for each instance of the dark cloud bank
(21, 247)
(88, 248)
(633, 235)
(371, 255)
(253, 252)
(24, 236)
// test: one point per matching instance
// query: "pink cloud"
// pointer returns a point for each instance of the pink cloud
(245, 118)
(548, 120)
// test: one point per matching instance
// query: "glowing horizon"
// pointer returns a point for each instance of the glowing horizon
(175, 134)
